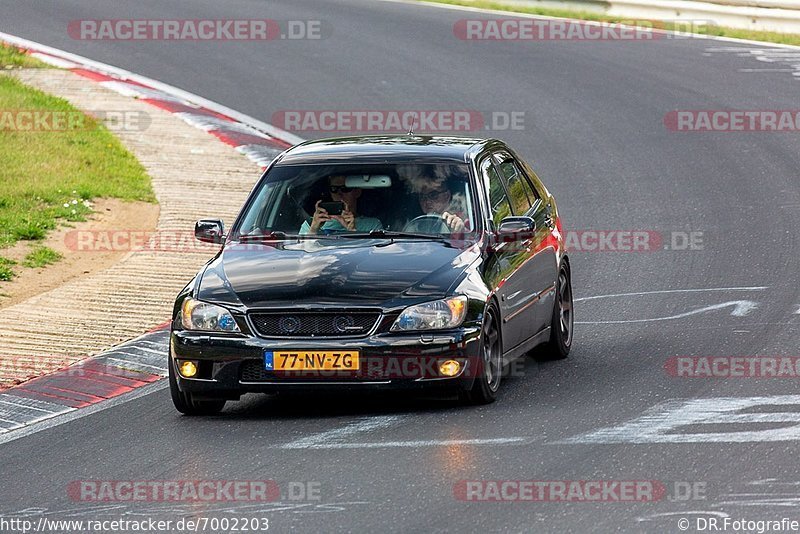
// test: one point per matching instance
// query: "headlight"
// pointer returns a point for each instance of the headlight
(196, 315)
(436, 315)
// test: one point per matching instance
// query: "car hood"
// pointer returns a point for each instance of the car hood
(360, 272)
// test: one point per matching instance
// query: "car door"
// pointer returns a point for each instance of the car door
(503, 263)
(539, 267)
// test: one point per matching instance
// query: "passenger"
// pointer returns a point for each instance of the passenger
(349, 220)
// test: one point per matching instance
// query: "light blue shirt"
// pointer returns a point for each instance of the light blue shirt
(363, 224)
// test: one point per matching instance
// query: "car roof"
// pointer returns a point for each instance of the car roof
(382, 149)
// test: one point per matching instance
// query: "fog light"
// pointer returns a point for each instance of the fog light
(188, 368)
(449, 368)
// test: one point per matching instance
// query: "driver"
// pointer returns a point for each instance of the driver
(436, 196)
(349, 220)
(434, 199)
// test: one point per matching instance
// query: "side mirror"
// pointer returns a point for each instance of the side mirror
(209, 231)
(516, 229)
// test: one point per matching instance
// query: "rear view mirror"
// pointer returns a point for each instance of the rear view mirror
(368, 181)
(209, 231)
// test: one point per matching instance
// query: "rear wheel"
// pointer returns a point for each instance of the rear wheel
(561, 325)
(186, 403)
(490, 366)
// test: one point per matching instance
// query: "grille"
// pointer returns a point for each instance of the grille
(254, 371)
(304, 324)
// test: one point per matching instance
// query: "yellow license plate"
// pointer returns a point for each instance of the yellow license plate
(308, 360)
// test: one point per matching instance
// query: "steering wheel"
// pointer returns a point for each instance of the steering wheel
(427, 224)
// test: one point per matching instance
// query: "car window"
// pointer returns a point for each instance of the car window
(498, 200)
(520, 191)
(403, 196)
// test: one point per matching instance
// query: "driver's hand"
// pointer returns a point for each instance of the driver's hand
(453, 221)
(320, 217)
(346, 219)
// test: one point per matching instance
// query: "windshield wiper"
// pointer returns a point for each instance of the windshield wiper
(392, 234)
(282, 236)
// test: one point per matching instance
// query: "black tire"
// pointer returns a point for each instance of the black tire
(490, 366)
(562, 322)
(186, 404)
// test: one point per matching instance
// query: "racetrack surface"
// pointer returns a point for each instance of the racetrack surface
(594, 132)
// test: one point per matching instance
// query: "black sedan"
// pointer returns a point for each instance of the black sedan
(376, 262)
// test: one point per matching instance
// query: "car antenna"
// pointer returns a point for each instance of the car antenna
(411, 130)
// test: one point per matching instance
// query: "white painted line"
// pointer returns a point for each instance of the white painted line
(44, 417)
(667, 291)
(137, 91)
(148, 342)
(418, 443)
(761, 495)
(123, 74)
(366, 424)
(34, 403)
(134, 362)
(741, 308)
(207, 123)
(666, 422)
(259, 154)
(152, 351)
(24, 415)
(27, 407)
(765, 70)
(54, 61)
(16, 424)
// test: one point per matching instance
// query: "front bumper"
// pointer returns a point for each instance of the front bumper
(232, 364)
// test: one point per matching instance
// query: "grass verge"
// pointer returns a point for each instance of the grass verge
(41, 256)
(50, 177)
(6, 272)
(11, 57)
(718, 31)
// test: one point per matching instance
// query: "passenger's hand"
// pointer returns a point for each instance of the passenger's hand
(346, 219)
(453, 221)
(320, 217)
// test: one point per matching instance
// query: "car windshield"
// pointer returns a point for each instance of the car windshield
(415, 201)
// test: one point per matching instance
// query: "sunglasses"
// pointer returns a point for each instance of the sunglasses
(434, 195)
(340, 189)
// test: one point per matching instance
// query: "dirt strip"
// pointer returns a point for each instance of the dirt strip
(194, 175)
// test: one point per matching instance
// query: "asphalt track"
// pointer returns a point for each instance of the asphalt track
(594, 131)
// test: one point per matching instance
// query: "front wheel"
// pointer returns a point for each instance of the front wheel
(561, 325)
(186, 403)
(490, 364)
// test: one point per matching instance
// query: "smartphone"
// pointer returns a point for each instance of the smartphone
(333, 208)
